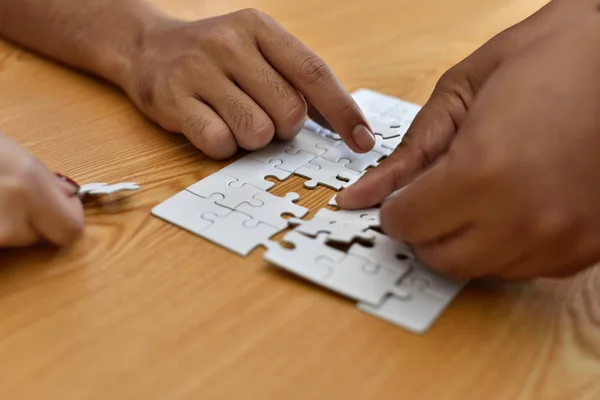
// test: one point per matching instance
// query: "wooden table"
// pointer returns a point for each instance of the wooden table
(139, 309)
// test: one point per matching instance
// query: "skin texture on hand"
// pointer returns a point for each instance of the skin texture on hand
(436, 125)
(34, 203)
(237, 80)
(513, 191)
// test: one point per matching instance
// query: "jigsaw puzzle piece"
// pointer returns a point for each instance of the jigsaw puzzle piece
(273, 207)
(276, 153)
(357, 162)
(232, 192)
(185, 210)
(368, 216)
(388, 130)
(378, 104)
(385, 251)
(322, 172)
(359, 279)
(336, 231)
(309, 141)
(237, 232)
(301, 260)
(411, 304)
(254, 172)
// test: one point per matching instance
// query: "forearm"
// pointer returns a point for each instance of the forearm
(98, 36)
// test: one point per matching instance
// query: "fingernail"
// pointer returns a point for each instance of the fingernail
(69, 181)
(363, 137)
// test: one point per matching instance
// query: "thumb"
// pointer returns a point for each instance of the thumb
(432, 130)
(428, 137)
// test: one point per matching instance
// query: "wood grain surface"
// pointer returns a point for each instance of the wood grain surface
(139, 309)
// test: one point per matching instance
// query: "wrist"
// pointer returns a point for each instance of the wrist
(116, 58)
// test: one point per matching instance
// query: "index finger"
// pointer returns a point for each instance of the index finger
(433, 206)
(313, 78)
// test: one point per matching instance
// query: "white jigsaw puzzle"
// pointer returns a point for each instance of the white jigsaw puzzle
(368, 216)
(359, 279)
(301, 258)
(330, 174)
(336, 231)
(234, 209)
(277, 153)
(254, 172)
(185, 210)
(231, 191)
(417, 300)
(237, 231)
(273, 208)
(356, 161)
(383, 250)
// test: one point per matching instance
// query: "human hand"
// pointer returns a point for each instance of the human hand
(436, 125)
(238, 80)
(516, 196)
(34, 203)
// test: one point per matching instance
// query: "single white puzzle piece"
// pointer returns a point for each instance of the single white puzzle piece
(272, 209)
(336, 231)
(359, 279)
(417, 301)
(322, 172)
(308, 141)
(381, 105)
(237, 232)
(232, 191)
(254, 172)
(185, 210)
(105, 188)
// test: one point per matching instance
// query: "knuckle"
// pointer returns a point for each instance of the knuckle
(455, 85)
(260, 136)
(224, 43)
(296, 110)
(553, 224)
(252, 16)
(241, 118)
(16, 191)
(315, 71)
(71, 229)
(28, 172)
